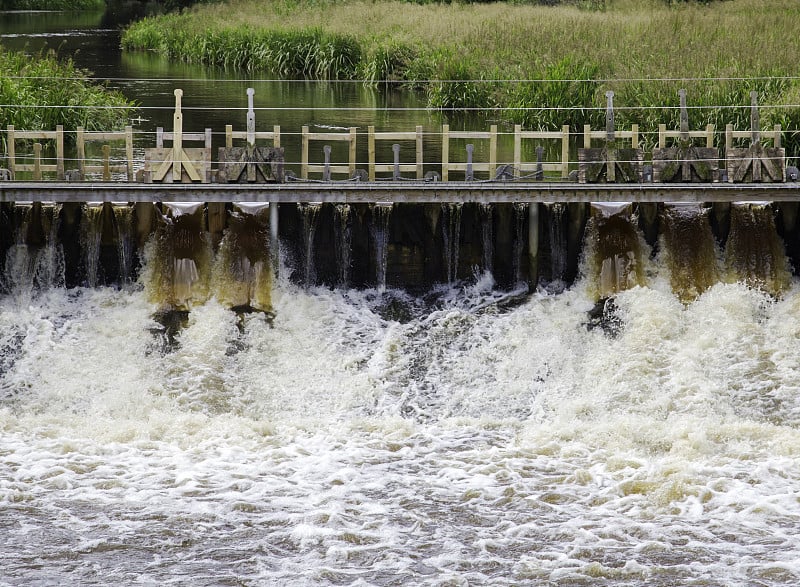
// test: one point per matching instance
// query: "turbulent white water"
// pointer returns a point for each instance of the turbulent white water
(471, 443)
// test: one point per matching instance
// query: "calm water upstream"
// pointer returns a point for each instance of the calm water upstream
(213, 97)
(473, 442)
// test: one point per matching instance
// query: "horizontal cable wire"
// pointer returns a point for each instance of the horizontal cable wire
(397, 109)
(413, 81)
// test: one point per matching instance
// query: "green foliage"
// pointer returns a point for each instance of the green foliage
(472, 55)
(389, 63)
(311, 53)
(176, 5)
(786, 112)
(39, 93)
(717, 102)
(458, 88)
(565, 92)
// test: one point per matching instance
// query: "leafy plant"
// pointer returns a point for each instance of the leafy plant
(41, 92)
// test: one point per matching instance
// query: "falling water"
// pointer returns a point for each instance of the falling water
(91, 238)
(690, 250)
(473, 442)
(104, 227)
(614, 253)
(242, 273)
(179, 259)
(310, 215)
(36, 259)
(342, 241)
(754, 253)
(379, 229)
(126, 242)
(558, 241)
(487, 236)
(520, 214)
(451, 239)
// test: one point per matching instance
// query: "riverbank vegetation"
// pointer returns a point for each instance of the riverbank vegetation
(543, 66)
(40, 92)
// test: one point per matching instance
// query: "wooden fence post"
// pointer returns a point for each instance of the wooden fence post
(11, 149)
(304, 155)
(445, 151)
(37, 161)
(60, 152)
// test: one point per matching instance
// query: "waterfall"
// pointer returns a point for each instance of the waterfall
(487, 236)
(105, 228)
(91, 236)
(690, 250)
(242, 273)
(343, 241)
(379, 229)
(50, 264)
(310, 214)
(754, 253)
(36, 259)
(126, 242)
(520, 213)
(179, 260)
(451, 236)
(558, 242)
(615, 255)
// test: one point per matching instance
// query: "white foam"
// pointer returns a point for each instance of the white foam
(252, 207)
(470, 443)
(748, 203)
(181, 208)
(612, 208)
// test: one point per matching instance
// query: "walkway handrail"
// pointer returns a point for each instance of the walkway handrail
(37, 167)
(619, 153)
(106, 168)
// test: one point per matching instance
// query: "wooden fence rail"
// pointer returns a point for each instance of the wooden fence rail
(395, 167)
(328, 168)
(197, 163)
(37, 167)
(105, 168)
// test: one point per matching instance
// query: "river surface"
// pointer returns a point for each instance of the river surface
(213, 98)
(467, 445)
(465, 440)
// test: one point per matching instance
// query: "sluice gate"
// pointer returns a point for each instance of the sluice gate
(190, 252)
(226, 231)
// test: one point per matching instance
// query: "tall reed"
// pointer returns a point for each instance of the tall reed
(40, 92)
(308, 52)
(546, 65)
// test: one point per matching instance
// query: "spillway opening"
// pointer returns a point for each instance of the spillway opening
(184, 255)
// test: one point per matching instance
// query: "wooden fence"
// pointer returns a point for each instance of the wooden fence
(175, 163)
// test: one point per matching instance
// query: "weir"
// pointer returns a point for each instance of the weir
(204, 229)
(407, 246)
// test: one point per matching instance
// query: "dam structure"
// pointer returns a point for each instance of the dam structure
(404, 222)
(243, 358)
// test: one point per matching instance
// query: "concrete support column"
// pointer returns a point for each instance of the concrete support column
(273, 237)
(533, 244)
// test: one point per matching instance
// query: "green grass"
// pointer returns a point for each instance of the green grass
(308, 52)
(474, 55)
(40, 92)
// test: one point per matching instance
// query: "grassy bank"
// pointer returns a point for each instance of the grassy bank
(720, 52)
(38, 93)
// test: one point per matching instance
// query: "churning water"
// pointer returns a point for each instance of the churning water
(363, 438)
